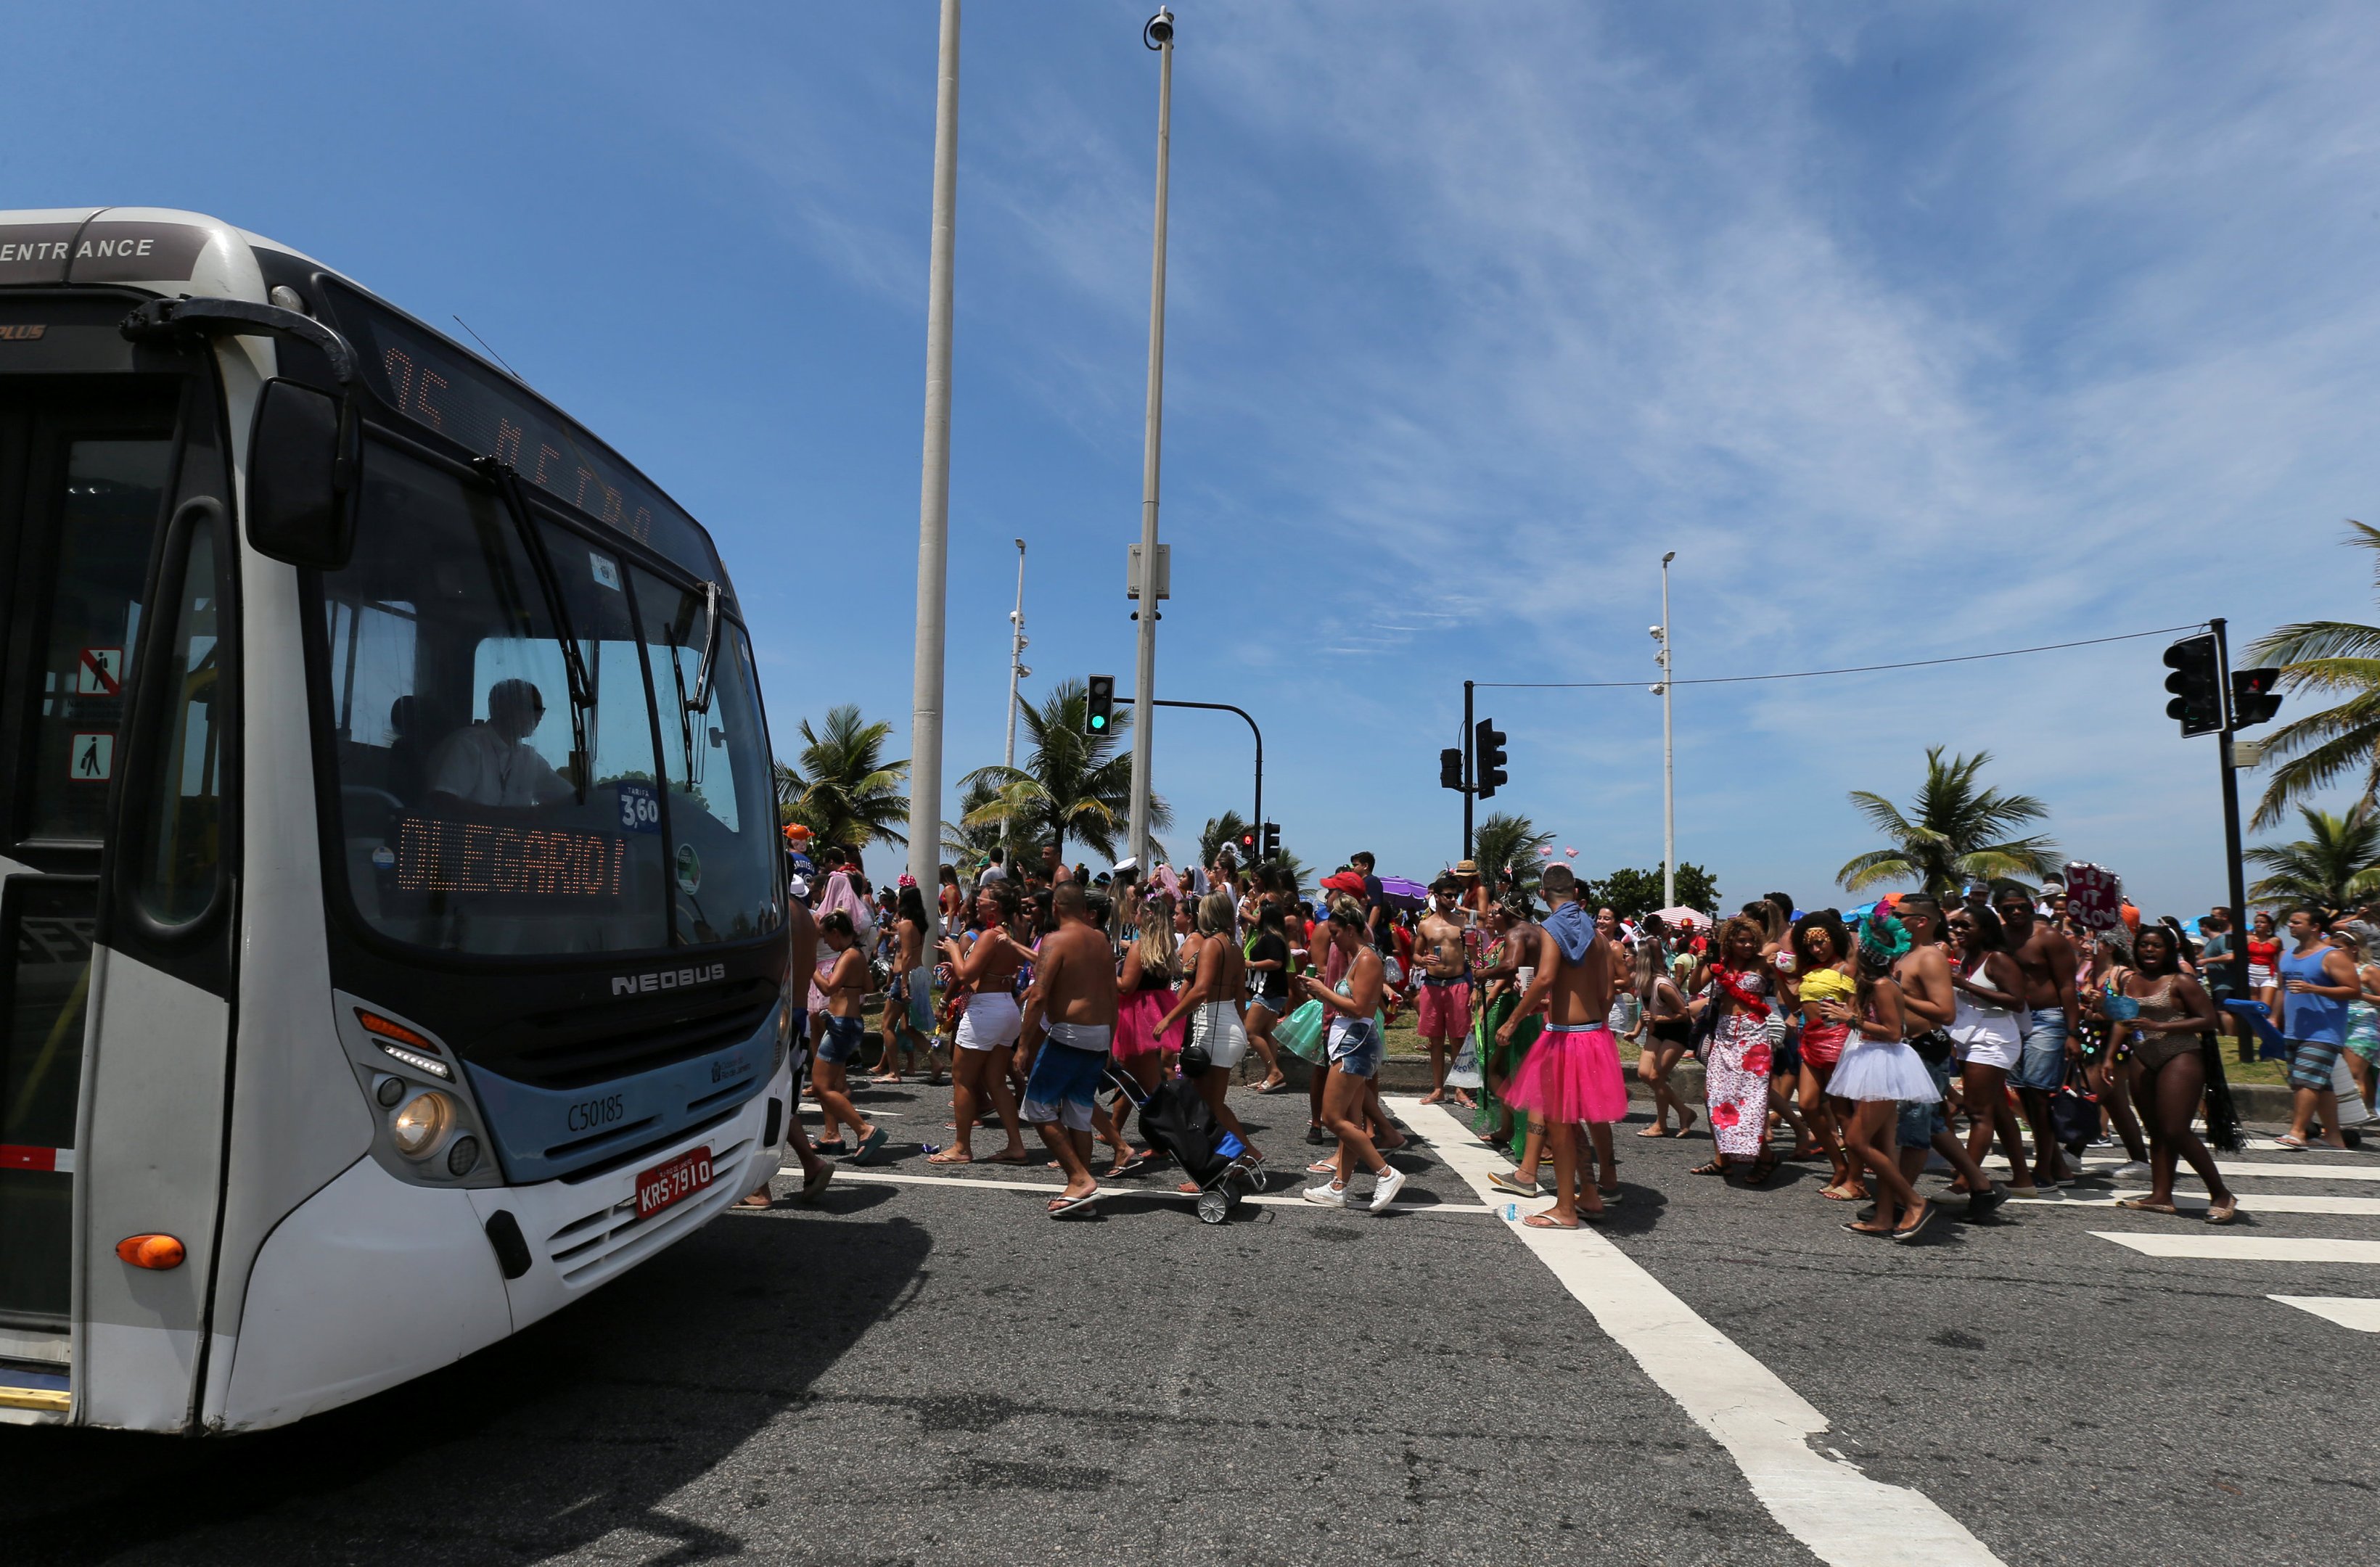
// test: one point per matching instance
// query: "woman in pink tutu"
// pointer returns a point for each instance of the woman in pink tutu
(1143, 994)
(1572, 1074)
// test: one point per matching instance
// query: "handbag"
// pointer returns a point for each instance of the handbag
(2074, 1113)
(1301, 1032)
(1934, 1046)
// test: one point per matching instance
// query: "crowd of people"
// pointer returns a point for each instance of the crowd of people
(1054, 999)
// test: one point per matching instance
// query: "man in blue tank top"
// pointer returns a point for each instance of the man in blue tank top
(2317, 981)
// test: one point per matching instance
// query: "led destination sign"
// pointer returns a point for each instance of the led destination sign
(478, 857)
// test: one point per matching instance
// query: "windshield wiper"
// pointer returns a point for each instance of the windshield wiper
(701, 700)
(507, 481)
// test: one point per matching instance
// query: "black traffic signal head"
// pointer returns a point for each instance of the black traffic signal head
(1101, 717)
(1272, 839)
(2253, 701)
(2197, 699)
(1449, 768)
(1487, 748)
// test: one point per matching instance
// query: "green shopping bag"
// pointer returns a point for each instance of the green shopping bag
(1302, 1032)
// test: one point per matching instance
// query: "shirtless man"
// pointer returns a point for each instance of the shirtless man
(1445, 1010)
(2048, 962)
(1927, 1005)
(1573, 986)
(1070, 1008)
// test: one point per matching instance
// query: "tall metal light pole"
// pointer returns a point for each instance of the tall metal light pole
(1016, 670)
(934, 488)
(1669, 765)
(1156, 33)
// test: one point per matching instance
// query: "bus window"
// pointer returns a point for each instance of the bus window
(113, 493)
(184, 842)
(459, 795)
(723, 856)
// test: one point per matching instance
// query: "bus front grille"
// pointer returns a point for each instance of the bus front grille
(600, 1044)
(605, 1240)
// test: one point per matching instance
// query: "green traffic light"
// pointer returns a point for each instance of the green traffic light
(1099, 721)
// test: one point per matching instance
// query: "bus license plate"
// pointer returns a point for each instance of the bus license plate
(665, 1185)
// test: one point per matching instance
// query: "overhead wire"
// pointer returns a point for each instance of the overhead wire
(1813, 673)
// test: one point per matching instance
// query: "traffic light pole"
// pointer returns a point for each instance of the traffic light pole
(1226, 707)
(2238, 945)
(1470, 776)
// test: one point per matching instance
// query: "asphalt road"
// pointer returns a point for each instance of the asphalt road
(929, 1370)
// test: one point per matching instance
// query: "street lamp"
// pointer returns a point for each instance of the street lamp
(1156, 34)
(1016, 670)
(1669, 767)
(934, 489)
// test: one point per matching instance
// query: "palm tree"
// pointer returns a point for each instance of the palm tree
(1221, 830)
(842, 789)
(2339, 656)
(2337, 866)
(1505, 848)
(1958, 831)
(1073, 783)
(968, 845)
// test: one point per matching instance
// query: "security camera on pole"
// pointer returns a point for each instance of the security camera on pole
(1156, 33)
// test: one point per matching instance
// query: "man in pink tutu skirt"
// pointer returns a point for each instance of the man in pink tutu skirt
(1572, 1073)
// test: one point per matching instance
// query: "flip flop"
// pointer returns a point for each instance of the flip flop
(868, 1146)
(816, 1184)
(1011, 1159)
(1548, 1221)
(1909, 1235)
(1064, 1206)
(2143, 1204)
(950, 1157)
(1653, 1132)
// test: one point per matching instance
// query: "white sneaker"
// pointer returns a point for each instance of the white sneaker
(1327, 1195)
(1385, 1187)
(2137, 1170)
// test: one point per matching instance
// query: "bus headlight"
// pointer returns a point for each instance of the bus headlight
(421, 1123)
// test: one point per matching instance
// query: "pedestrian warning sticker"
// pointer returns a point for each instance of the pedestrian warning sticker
(99, 672)
(92, 759)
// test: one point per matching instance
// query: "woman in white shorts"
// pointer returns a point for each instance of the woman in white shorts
(1210, 1002)
(987, 969)
(1987, 999)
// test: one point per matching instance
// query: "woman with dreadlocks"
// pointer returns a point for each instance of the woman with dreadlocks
(1875, 1073)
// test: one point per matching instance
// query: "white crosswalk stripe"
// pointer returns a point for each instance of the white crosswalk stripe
(2360, 1315)
(2246, 1248)
(2195, 1203)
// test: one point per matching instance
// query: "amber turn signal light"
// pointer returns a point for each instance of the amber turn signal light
(159, 1252)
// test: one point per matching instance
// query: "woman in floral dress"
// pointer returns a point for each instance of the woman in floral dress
(1736, 1077)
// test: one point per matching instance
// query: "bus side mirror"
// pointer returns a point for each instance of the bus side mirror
(300, 477)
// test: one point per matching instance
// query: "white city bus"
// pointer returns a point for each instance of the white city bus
(395, 942)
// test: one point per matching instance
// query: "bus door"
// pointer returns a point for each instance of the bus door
(110, 578)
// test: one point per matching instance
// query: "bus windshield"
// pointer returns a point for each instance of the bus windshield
(471, 822)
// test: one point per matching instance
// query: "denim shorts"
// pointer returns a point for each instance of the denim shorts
(1355, 1047)
(1062, 1086)
(1921, 1119)
(2044, 1064)
(843, 1038)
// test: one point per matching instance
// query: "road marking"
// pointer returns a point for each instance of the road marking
(2247, 1248)
(1828, 1503)
(2250, 1170)
(2361, 1316)
(1051, 1189)
(2250, 1202)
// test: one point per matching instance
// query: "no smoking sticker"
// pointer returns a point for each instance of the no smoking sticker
(91, 758)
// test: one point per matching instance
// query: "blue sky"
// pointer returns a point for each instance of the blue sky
(1914, 330)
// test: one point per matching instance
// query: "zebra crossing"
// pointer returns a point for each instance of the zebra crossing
(2264, 1185)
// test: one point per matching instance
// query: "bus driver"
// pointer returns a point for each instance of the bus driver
(492, 763)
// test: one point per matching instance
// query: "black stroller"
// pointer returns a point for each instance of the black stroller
(1174, 1120)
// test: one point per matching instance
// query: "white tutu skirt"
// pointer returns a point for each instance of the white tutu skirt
(1882, 1069)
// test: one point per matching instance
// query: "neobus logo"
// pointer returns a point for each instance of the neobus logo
(665, 980)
